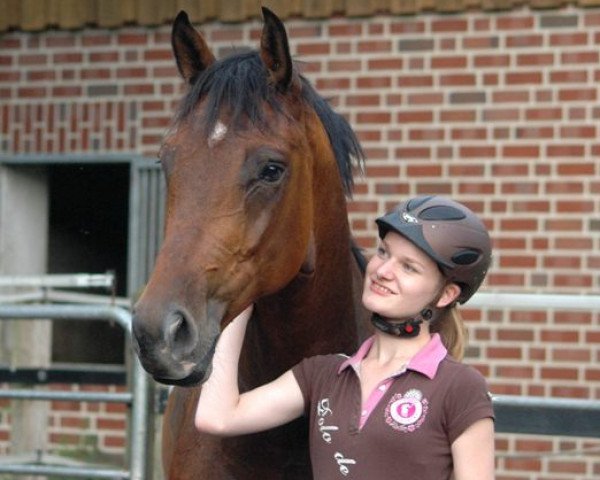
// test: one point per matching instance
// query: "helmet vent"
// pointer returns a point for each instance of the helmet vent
(465, 257)
(417, 202)
(442, 212)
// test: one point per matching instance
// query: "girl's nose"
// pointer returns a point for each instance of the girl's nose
(384, 271)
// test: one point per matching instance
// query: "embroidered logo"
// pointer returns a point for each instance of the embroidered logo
(407, 412)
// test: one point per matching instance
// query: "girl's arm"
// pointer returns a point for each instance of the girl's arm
(473, 452)
(223, 411)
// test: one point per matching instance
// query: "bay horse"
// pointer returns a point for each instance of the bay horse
(258, 167)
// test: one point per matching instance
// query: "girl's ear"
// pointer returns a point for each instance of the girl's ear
(449, 295)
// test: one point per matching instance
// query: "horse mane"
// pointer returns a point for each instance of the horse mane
(240, 84)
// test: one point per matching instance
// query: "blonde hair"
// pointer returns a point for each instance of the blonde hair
(453, 332)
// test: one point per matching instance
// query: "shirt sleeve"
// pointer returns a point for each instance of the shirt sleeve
(313, 373)
(303, 372)
(468, 401)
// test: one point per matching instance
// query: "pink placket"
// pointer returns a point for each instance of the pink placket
(426, 361)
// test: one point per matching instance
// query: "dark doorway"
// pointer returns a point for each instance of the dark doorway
(89, 211)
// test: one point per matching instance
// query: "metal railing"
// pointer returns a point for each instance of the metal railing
(543, 415)
(139, 398)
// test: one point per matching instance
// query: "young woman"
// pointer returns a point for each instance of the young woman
(403, 406)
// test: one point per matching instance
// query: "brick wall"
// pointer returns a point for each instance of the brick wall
(498, 110)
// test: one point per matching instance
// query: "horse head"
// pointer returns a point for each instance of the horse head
(242, 161)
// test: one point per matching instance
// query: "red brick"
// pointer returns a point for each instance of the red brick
(373, 117)
(94, 39)
(111, 441)
(407, 26)
(345, 30)
(482, 42)
(449, 25)
(427, 134)
(373, 82)
(562, 262)
(491, 61)
(523, 78)
(414, 116)
(458, 80)
(374, 46)
(158, 54)
(518, 261)
(466, 170)
(506, 279)
(524, 41)
(540, 114)
(111, 424)
(332, 84)
(501, 114)
(449, 62)
(385, 64)
(571, 355)
(476, 188)
(576, 169)
(67, 57)
(580, 57)
(457, 116)
(514, 372)
(582, 131)
(415, 80)
(323, 48)
(557, 373)
(132, 38)
(423, 170)
(566, 466)
(528, 317)
(233, 35)
(425, 98)
(392, 188)
(573, 281)
(388, 171)
(344, 65)
(412, 152)
(523, 188)
(477, 151)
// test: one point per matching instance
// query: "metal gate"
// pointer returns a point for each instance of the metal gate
(139, 397)
(543, 415)
(146, 221)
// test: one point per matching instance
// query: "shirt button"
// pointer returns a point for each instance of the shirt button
(382, 388)
(364, 413)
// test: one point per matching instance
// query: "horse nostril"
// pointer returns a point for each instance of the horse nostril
(180, 334)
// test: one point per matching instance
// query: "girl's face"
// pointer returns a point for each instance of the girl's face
(401, 280)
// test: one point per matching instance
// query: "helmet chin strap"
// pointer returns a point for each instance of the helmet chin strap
(407, 328)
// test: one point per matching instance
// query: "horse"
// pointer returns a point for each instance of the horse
(258, 168)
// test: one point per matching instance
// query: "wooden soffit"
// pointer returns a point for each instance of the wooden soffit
(36, 15)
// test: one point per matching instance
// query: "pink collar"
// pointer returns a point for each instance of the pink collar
(426, 361)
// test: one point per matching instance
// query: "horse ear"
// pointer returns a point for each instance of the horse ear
(191, 51)
(275, 51)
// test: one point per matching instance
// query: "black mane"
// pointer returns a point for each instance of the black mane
(239, 84)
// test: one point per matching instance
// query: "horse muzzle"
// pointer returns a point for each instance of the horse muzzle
(174, 348)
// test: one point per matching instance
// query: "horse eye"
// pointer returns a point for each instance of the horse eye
(271, 173)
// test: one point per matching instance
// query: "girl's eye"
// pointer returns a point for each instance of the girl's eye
(409, 268)
(381, 252)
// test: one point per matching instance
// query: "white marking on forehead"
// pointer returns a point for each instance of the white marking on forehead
(217, 134)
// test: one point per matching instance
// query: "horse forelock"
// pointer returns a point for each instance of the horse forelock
(239, 86)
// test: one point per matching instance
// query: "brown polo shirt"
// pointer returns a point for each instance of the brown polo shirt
(408, 424)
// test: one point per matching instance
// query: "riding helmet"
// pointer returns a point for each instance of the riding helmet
(449, 233)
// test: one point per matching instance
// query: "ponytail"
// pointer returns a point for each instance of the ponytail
(453, 332)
